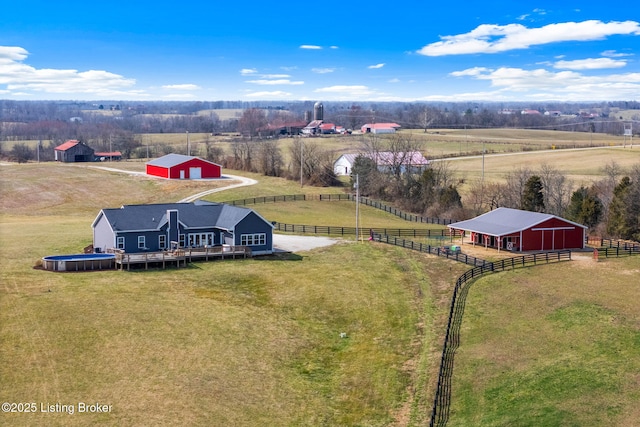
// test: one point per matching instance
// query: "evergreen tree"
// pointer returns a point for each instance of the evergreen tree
(624, 210)
(532, 197)
(585, 208)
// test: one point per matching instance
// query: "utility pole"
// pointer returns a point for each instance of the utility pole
(357, 207)
(188, 145)
(482, 161)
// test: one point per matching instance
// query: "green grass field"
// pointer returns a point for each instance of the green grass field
(552, 346)
(257, 342)
(248, 342)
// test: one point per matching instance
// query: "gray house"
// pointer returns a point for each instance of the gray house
(150, 228)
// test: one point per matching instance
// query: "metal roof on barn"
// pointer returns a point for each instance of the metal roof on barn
(504, 221)
(413, 158)
(173, 159)
(69, 144)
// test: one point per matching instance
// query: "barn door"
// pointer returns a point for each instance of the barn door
(195, 173)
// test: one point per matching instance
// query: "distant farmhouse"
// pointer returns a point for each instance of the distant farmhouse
(387, 161)
(281, 129)
(380, 128)
(74, 151)
(179, 166)
(518, 230)
(158, 227)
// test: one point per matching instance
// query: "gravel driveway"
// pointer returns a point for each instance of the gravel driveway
(289, 243)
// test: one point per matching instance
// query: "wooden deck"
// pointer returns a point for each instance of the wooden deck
(179, 257)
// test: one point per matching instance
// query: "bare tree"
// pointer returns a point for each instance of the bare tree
(515, 187)
(269, 158)
(251, 121)
(556, 189)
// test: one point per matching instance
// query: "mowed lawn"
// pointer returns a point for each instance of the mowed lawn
(246, 343)
(557, 345)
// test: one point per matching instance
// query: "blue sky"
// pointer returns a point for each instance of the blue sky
(329, 51)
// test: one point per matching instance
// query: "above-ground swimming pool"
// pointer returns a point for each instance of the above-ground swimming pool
(79, 262)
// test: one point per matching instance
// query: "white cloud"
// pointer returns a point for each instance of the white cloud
(248, 71)
(9, 54)
(275, 82)
(310, 46)
(182, 87)
(590, 64)
(275, 76)
(23, 78)
(334, 47)
(268, 95)
(345, 91)
(488, 38)
(395, 80)
(562, 85)
(323, 70)
(373, 67)
(475, 71)
(614, 54)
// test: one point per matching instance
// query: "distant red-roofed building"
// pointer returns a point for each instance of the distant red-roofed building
(108, 155)
(74, 151)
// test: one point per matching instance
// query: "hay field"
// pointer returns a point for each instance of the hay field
(246, 343)
(582, 166)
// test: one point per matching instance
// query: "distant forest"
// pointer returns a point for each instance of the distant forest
(62, 120)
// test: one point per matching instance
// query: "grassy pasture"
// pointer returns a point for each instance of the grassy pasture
(551, 346)
(251, 342)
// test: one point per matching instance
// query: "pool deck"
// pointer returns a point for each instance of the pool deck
(180, 257)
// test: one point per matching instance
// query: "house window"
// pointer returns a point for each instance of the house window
(120, 243)
(162, 241)
(200, 239)
(141, 242)
(257, 239)
(182, 240)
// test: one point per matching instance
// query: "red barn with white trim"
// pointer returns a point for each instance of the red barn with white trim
(519, 230)
(179, 166)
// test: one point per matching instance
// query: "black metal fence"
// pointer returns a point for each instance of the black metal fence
(442, 399)
(340, 197)
(434, 250)
(330, 230)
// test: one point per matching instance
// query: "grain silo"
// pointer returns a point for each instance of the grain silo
(318, 111)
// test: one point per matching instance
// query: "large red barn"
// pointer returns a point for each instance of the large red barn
(179, 166)
(518, 230)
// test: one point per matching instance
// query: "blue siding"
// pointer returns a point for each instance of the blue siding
(252, 224)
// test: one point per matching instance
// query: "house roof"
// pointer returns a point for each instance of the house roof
(381, 125)
(69, 144)
(314, 124)
(504, 221)
(108, 153)
(327, 126)
(174, 159)
(384, 158)
(192, 215)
